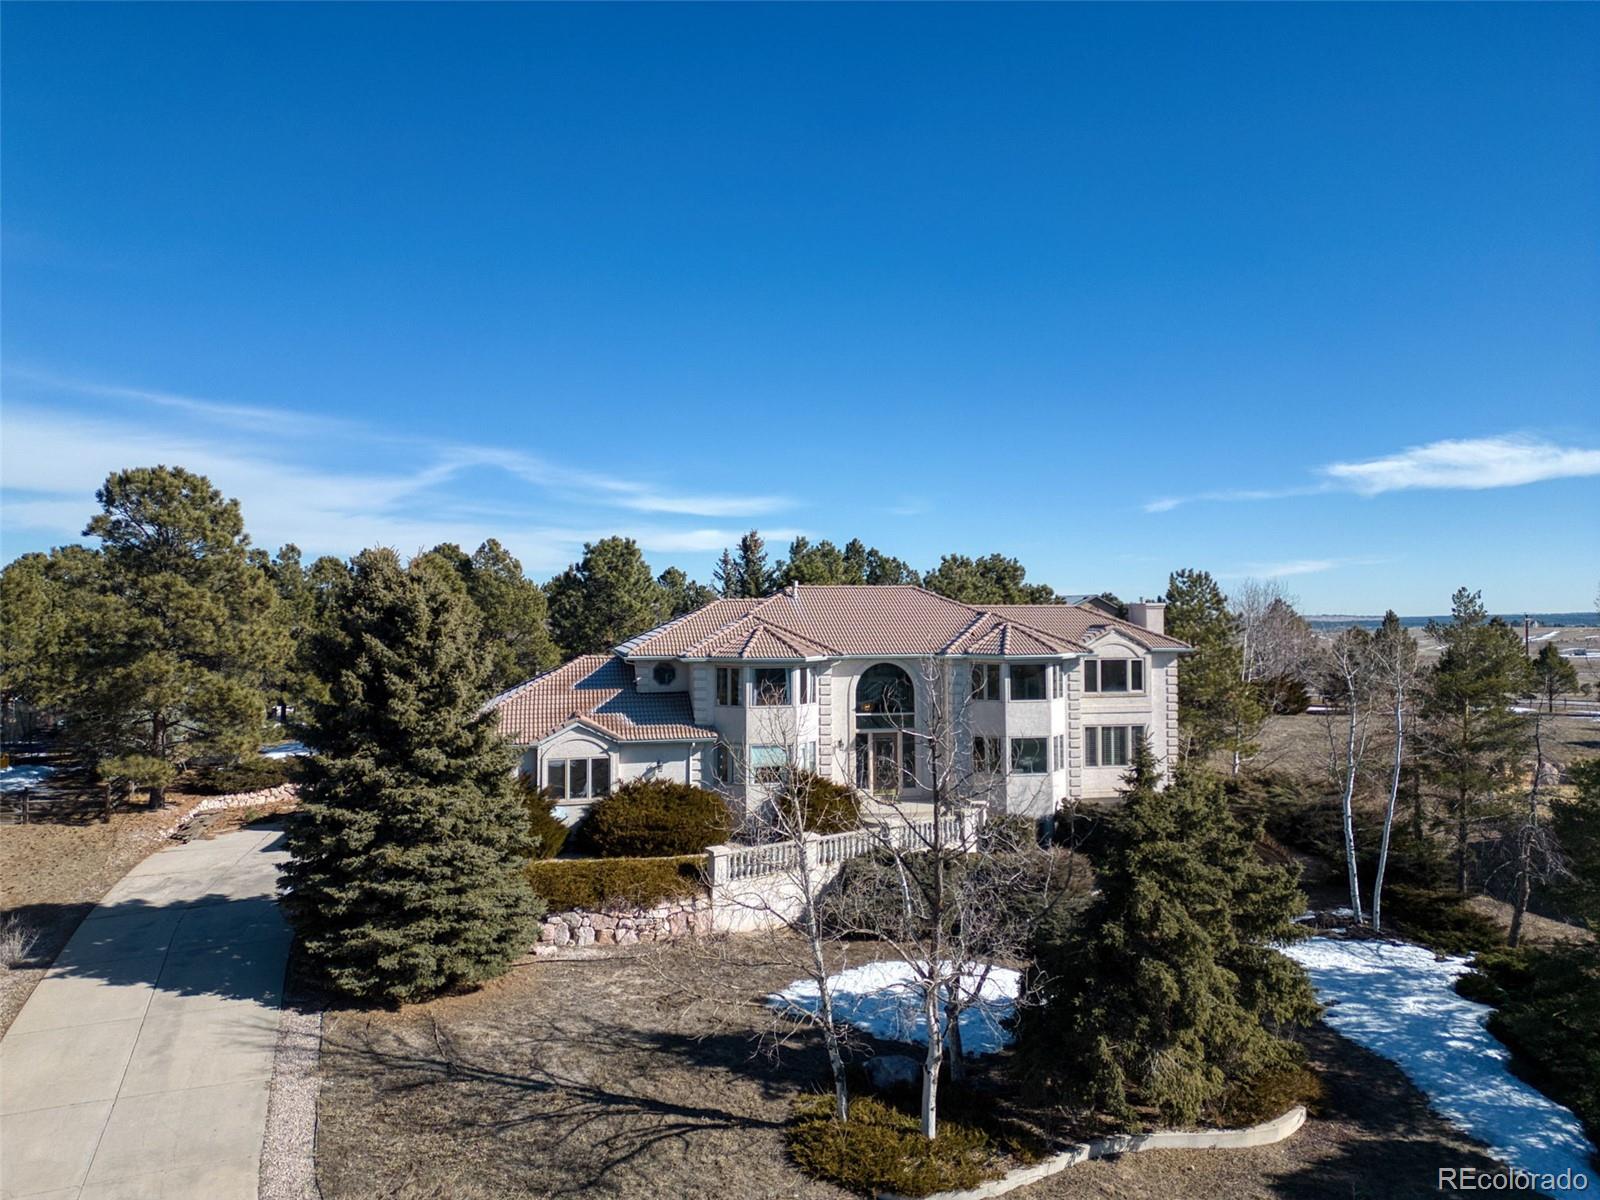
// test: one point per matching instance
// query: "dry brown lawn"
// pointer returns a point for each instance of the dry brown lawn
(599, 1078)
(55, 870)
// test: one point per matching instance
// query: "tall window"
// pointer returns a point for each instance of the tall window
(1113, 675)
(578, 778)
(728, 686)
(1027, 681)
(1028, 756)
(727, 762)
(986, 755)
(805, 685)
(1061, 753)
(885, 698)
(770, 685)
(1058, 676)
(1111, 745)
(986, 681)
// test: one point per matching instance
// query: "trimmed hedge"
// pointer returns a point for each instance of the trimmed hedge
(881, 1149)
(645, 818)
(600, 883)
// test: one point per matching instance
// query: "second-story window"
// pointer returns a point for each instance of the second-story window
(1028, 756)
(1058, 681)
(1113, 675)
(770, 685)
(1027, 681)
(728, 686)
(986, 755)
(986, 681)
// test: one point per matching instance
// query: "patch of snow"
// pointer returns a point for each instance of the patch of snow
(284, 750)
(1318, 708)
(1400, 1001)
(1544, 637)
(28, 775)
(1342, 912)
(882, 999)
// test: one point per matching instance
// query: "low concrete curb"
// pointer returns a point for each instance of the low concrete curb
(1130, 1143)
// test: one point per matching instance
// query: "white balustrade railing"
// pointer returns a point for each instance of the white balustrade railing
(736, 864)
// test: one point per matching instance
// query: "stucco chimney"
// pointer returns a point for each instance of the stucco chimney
(1150, 614)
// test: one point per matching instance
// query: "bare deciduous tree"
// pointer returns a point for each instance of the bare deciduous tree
(1396, 672)
(1347, 675)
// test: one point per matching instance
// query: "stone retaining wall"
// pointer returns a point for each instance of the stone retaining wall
(271, 795)
(1264, 1134)
(626, 927)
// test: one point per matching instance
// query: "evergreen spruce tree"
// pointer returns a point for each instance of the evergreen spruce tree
(1472, 744)
(406, 878)
(992, 579)
(1169, 990)
(1218, 708)
(750, 565)
(605, 598)
(511, 607)
(1553, 674)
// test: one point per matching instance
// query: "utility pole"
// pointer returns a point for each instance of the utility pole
(1527, 628)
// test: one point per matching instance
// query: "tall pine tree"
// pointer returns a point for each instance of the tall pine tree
(1170, 989)
(1472, 743)
(605, 598)
(1218, 708)
(406, 878)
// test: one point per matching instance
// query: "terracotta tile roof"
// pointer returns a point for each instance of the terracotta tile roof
(1081, 623)
(597, 690)
(755, 638)
(678, 634)
(818, 620)
(992, 635)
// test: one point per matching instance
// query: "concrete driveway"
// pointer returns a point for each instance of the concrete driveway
(140, 1066)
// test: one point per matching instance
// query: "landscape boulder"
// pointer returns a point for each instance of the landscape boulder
(889, 1071)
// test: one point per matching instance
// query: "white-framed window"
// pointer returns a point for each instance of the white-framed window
(804, 683)
(986, 755)
(1060, 745)
(577, 778)
(808, 757)
(1027, 681)
(1113, 675)
(1111, 745)
(728, 680)
(1028, 756)
(767, 763)
(986, 681)
(769, 685)
(1058, 681)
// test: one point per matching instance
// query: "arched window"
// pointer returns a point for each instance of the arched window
(886, 702)
(885, 699)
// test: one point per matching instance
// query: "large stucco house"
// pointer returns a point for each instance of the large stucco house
(1046, 702)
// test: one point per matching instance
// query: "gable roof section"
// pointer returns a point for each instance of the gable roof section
(990, 635)
(597, 690)
(1082, 623)
(755, 638)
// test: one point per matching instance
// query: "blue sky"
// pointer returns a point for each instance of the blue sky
(1304, 291)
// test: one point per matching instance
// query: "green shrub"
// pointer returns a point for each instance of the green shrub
(649, 817)
(549, 832)
(824, 806)
(600, 883)
(881, 1149)
(1440, 920)
(1268, 1095)
(254, 774)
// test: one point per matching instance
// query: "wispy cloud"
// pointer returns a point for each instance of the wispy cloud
(1509, 460)
(1295, 566)
(330, 485)
(1472, 463)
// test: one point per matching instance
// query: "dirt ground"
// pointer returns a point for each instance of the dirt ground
(54, 870)
(601, 1078)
